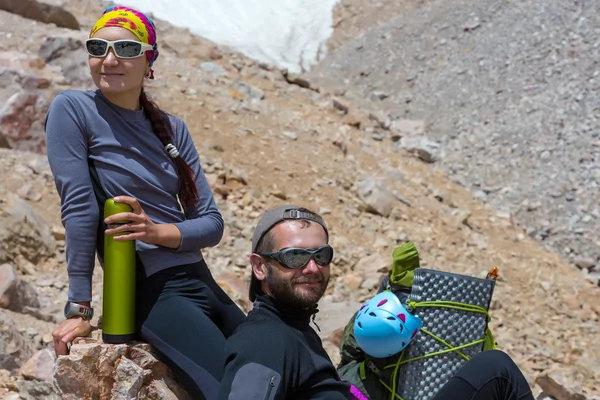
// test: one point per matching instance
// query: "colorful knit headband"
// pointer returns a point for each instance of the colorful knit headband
(135, 22)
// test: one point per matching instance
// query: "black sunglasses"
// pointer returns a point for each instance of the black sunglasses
(122, 48)
(294, 257)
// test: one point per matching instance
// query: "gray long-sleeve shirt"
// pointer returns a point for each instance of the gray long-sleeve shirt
(130, 161)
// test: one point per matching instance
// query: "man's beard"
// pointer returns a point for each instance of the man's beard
(292, 294)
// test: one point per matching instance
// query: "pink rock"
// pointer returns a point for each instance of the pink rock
(147, 361)
(40, 367)
(157, 390)
(76, 377)
(20, 121)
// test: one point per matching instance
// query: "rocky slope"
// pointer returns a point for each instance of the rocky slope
(264, 141)
(507, 96)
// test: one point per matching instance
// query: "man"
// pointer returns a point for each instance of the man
(276, 354)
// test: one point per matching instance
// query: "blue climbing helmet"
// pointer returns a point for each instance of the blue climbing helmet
(383, 327)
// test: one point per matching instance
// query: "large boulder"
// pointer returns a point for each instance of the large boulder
(26, 88)
(21, 120)
(66, 54)
(46, 13)
(97, 370)
(14, 347)
(23, 233)
(15, 293)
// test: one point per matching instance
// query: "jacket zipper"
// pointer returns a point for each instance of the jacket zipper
(270, 387)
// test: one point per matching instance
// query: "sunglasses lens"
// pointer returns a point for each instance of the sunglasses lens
(128, 49)
(324, 256)
(295, 258)
(298, 258)
(96, 48)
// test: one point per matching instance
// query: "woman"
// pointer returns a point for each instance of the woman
(139, 155)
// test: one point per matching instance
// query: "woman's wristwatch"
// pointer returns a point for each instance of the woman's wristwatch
(73, 310)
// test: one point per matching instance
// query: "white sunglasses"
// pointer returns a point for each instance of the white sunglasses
(121, 48)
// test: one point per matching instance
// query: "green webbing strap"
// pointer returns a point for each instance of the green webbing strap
(439, 303)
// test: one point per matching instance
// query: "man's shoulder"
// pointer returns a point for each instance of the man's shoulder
(259, 323)
(263, 330)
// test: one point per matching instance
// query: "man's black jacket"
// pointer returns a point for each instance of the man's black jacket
(275, 355)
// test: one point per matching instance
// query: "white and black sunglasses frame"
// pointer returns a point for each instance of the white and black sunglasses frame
(111, 44)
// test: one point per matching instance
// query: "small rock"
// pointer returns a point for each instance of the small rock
(31, 332)
(552, 386)
(377, 198)
(401, 198)
(352, 120)
(378, 95)
(407, 127)
(585, 263)
(251, 92)
(213, 69)
(289, 135)
(296, 80)
(340, 105)
(593, 277)
(472, 25)
(383, 121)
(47, 338)
(353, 281)
(423, 148)
(280, 194)
(371, 265)
(371, 283)
(25, 267)
(58, 232)
(324, 211)
(480, 195)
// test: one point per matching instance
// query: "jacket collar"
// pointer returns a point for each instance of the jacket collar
(297, 317)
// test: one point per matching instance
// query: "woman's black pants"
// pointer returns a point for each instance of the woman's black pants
(186, 316)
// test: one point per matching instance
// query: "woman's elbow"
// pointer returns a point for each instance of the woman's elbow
(219, 229)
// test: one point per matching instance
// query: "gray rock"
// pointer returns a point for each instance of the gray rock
(22, 231)
(14, 348)
(213, 69)
(376, 196)
(425, 149)
(16, 294)
(67, 53)
(35, 390)
(408, 127)
(584, 262)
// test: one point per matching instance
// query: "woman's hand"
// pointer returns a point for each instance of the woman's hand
(67, 331)
(140, 226)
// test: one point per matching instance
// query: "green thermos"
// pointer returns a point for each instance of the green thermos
(118, 300)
